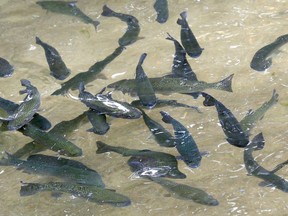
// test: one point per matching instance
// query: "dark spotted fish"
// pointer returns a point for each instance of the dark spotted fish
(262, 59)
(133, 30)
(57, 66)
(161, 7)
(68, 8)
(6, 69)
(188, 39)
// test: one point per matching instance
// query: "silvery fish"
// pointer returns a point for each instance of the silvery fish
(262, 59)
(88, 192)
(88, 76)
(66, 169)
(161, 7)
(57, 66)
(249, 121)
(25, 111)
(104, 104)
(188, 39)
(184, 142)
(144, 88)
(231, 127)
(253, 168)
(6, 69)
(168, 85)
(133, 30)
(68, 8)
(165, 164)
(186, 192)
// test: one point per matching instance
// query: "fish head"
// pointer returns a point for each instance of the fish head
(207, 200)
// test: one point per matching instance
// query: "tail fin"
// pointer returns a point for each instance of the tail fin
(107, 11)
(225, 84)
(28, 189)
(81, 87)
(166, 117)
(209, 100)
(170, 37)
(102, 147)
(183, 16)
(38, 41)
(142, 58)
(95, 24)
(258, 142)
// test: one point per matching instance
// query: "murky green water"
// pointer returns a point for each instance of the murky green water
(229, 31)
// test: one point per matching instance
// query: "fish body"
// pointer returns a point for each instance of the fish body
(91, 193)
(168, 85)
(249, 121)
(230, 125)
(6, 69)
(181, 67)
(184, 142)
(25, 111)
(66, 169)
(89, 75)
(157, 160)
(68, 8)
(255, 169)
(51, 141)
(98, 121)
(161, 7)
(186, 192)
(57, 66)
(188, 39)
(144, 88)
(262, 59)
(133, 30)
(104, 104)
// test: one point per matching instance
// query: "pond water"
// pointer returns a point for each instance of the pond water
(230, 33)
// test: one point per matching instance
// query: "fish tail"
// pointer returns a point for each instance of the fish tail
(107, 11)
(166, 117)
(142, 58)
(81, 87)
(225, 84)
(209, 100)
(95, 24)
(28, 189)
(274, 97)
(258, 142)
(170, 37)
(183, 16)
(38, 41)
(102, 147)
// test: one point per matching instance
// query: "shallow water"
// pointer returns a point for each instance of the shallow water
(230, 33)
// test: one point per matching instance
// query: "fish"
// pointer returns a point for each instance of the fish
(104, 104)
(161, 7)
(167, 163)
(231, 127)
(63, 129)
(180, 66)
(168, 85)
(184, 142)
(249, 121)
(133, 30)
(88, 76)
(163, 137)
(67, 8)
(88, 192)
(262, 59)
(57, 66)
(53, 142)
(186, 192)
(65, 169)
(25, 111)
(188, 39)
(144, 88)
(6, 69)
(98, 121)
(255, 169)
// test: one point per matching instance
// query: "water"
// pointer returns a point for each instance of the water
(229, 31)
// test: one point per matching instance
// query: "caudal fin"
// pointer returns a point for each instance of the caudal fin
(95, 24)
(166, 117)
(102, 147)
(107, 11)
(225, 84)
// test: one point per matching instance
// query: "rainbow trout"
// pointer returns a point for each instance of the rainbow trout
(188, 39)
(166, 164)
(133, 30)
(262, 59)
(253, 168)
(88, 192)
(168, 85)
(68, 8)
(56, 65)
(186, 192)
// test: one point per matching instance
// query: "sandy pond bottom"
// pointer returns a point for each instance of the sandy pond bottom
(230, 33)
